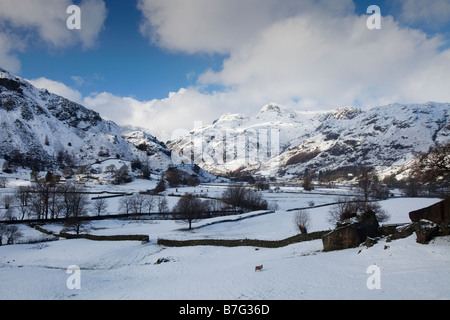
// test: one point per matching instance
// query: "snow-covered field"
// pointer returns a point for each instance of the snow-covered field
(129, 269)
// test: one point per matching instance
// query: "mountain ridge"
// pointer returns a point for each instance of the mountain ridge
(37, 126)
(41, 128)
(385, 137)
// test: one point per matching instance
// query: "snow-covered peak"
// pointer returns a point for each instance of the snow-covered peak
(38, 127)
(346, 113)
(231, 118)
(276, 112)
(6, 75)
(348, 137)
(272, 107)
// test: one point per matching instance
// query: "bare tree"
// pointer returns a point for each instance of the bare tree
(10, 232)
(435, 164)
(307, 181)
(9, 214)
(174, 178)
(36, 205)
(146, 169)
(125, 205)
(99, 206)
(75, 207)
(411, 187)
(368, 182)
(137, 203)
(45, 197)
(238, 196)
(302, 220)
(381, 214)
(7, 200)
(348, 208)
(55, 201)
(342, 210)
(2, 232)
(149, 202)
(122, 175)
(235, 195)
(79, 210)
(161, 203)
(160, 187)
(433, 167)
(111, 169)
(188, 209)
(215, 205)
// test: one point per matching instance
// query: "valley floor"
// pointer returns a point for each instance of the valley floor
(129, 270)
(132, 270)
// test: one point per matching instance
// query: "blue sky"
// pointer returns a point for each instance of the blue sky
(123, 62)
(163, 64)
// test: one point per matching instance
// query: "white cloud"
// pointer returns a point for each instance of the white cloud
(58, 88)
(47, 17)
(434, 13)
(94, 14)
(304, 53)
(79, 81)
(310, 54)
(180, 110)
(217, 26)
(9, 60)
(336, 62)
(300, 54)
(46, 20)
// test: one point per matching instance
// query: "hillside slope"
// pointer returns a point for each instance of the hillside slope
(38, 128)
(283, 142)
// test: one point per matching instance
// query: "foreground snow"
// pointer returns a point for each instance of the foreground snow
(129, 270)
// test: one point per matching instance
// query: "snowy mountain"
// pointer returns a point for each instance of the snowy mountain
(40, 128)
(284, 142)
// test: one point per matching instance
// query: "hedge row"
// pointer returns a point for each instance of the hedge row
(39, 228)
(124, 237)
(244, 242)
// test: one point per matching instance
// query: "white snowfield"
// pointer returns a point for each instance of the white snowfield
(129, 269)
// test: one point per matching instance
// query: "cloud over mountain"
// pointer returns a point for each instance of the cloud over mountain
(309, 52)
(45, 21)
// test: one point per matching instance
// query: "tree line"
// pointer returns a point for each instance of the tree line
(429, 174)
(43, 201)
(46, 199)
(190, 208)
